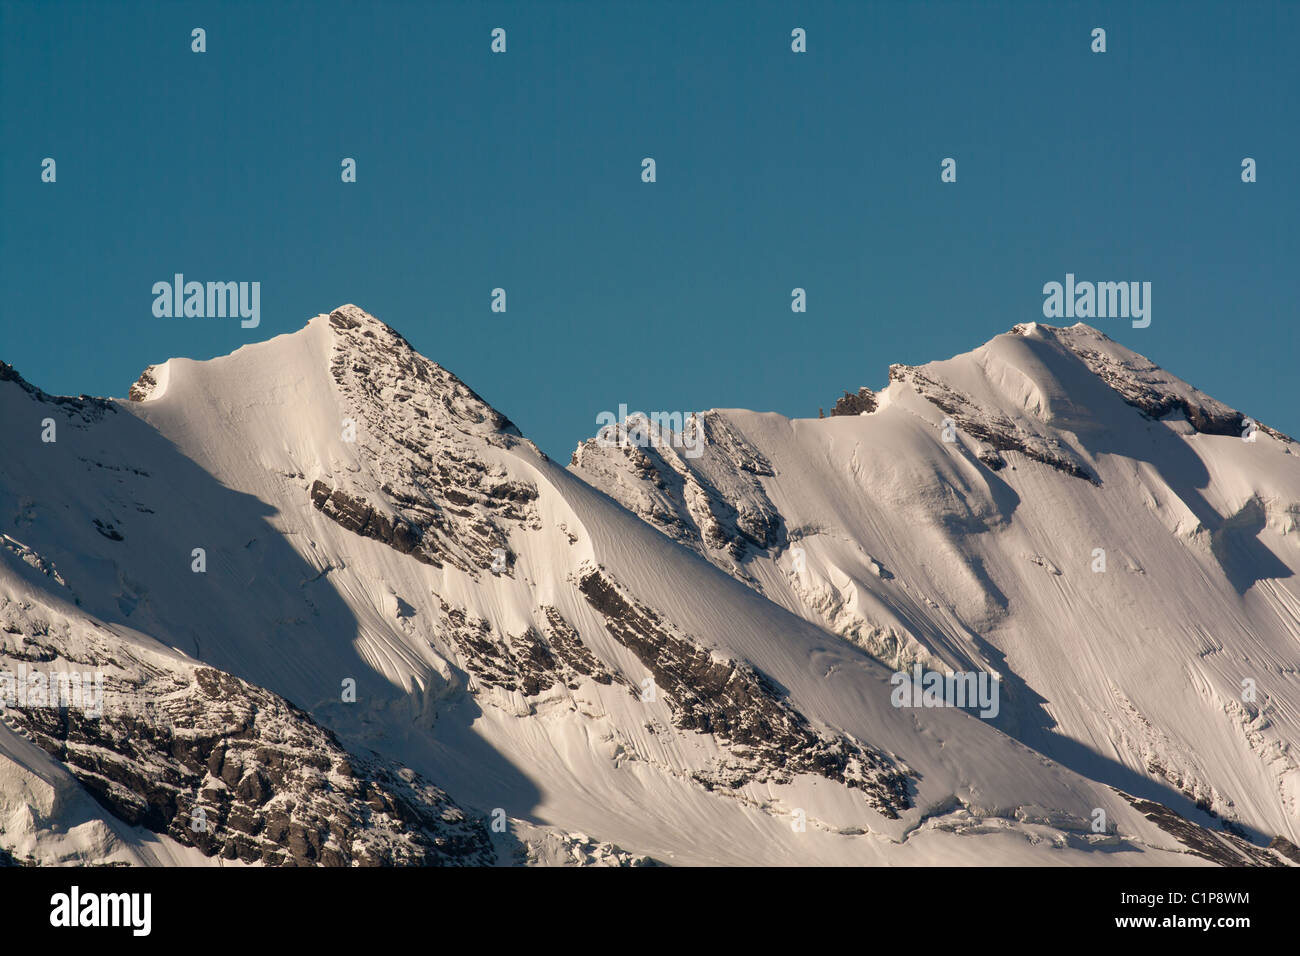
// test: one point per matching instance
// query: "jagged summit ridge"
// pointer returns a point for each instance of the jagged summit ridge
(393, 446)
(1144, 384)
(371, 359)
(424, 486)
(680, 494)
(1140, 382)
(85, 408)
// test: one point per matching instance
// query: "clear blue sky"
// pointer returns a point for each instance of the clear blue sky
(775, 170)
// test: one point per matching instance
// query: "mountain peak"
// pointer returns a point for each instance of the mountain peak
(430, 482)
(351, 316)
(1040, 372)
(371, 359)
(1082, 328)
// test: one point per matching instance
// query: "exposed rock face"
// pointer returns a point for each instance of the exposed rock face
(357, 516)
(769, 739)
(1148, 387)
(1286, 848)
(862, 403)
(682, 495)
(997, 432)
(528, 663)
(419, 433)
(574, 849)
(569, 650)
(32, 559)
(228, 767)
(144, 385)
(8, 859)
(1224, 849)
(238, 772)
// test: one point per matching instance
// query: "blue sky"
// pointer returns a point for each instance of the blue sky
(775, 170)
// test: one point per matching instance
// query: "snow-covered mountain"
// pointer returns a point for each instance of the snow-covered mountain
(346, 614)
(1095, 529)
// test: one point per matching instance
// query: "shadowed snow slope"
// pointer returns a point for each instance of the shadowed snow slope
(337, 591)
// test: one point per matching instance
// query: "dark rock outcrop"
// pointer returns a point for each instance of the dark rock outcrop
(863, 403)
(739, 706)
(228, 767)
(1225, 849)
(994, 431)
(530, 662)
(359, 517)
(1153, 391)
(1288, 849)
(710, 501)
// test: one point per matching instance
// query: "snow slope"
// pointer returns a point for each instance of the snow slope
(385, 551)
